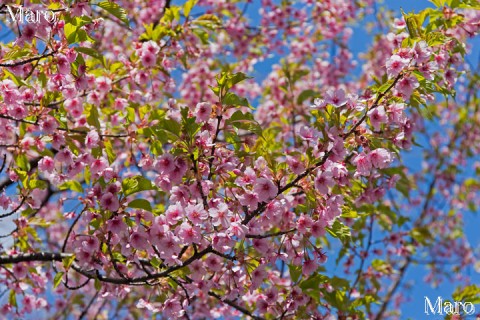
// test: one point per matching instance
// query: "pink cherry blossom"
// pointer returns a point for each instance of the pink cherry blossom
(203, 111)
(46, 164)
(380, 158)
(363, 163)
(395, 64)
(407, 85)
(265, 189)
(109, 202)
(336, 98)
(377, 117)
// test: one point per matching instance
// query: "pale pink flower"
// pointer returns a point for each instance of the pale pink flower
(46, 164)
(92, 139)
(188, 234)
(165, 164)
(406, 86)
(380, 158)
(318, 228)
(148, 59)
(94, 98)
(103, 84)
(98, 165)
(49, 124)
(309, 267)
(203, 111)
(249, 199)
(323, 181)
(150, 46)
(377, 117)
(308, 133)
(249, 177)
(196, 213)
(395, 64)
(116, 225)
(396, 113)
(142, 304)
(20, 270)
(336, 98)
(422, 52)
(63, 65)
(109, 202)
(220, 215)
(362, 161)
(238, 230)
(258, 276)
(399, 23)
(5, 201)
(138, 240)
(213, 263)
(174, 213)
(172, 309)
(295, 165)
(304, 223)
(64, 156)
(265, 189)
(319, 103)
(90, 244)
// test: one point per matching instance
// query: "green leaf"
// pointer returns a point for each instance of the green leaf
(115, 10)
(340, 231)
(305, 95)
(438, 3)
(92, 53)
(470, 294)
(245, 121)
(58, 279)
(313, 282)
(67, 262)
(295, 272)
(231, 99)
(97, 284)
(37, 184)
(109, 150)
(235, 78)
(12, 298)
(92, 116)
(136, 184)
(209, 21)
(18, 81)
(140, 204)
(187, 8)
(299, 74)
(71, 185)
(435, 38)
(22, 162)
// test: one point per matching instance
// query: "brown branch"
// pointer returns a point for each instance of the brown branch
(269, 235)
(235, 306)
(35, 58)
(31, 257)
(92, 300)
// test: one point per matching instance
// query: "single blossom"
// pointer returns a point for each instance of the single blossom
(203, 111)
(109, 202)
(265, 189)
(395, 64)
(336, 98)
